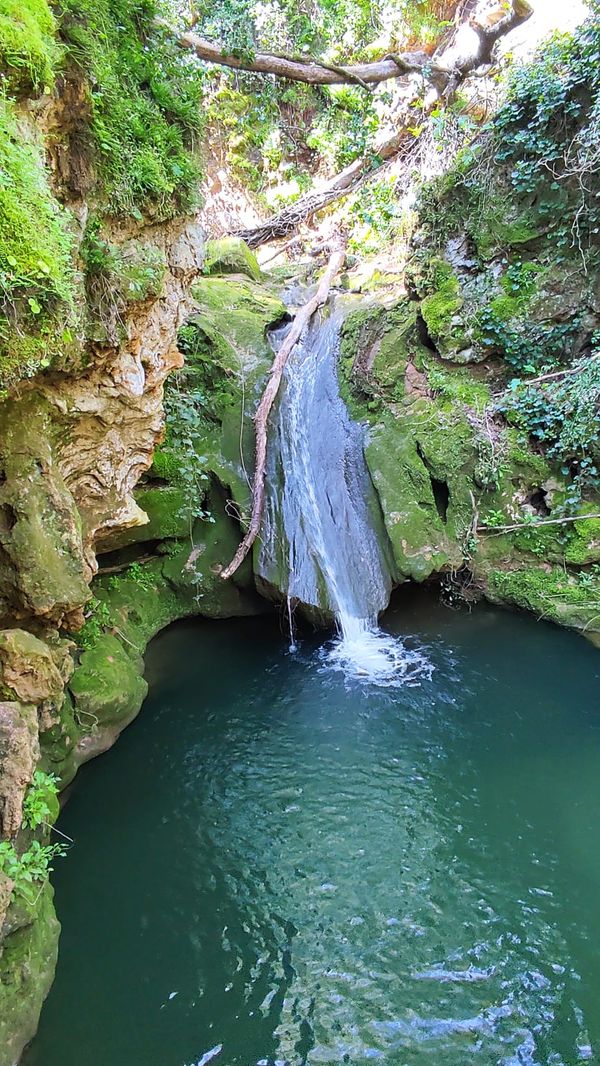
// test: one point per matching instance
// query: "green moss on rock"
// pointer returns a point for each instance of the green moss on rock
(37, 286)
(211, 402)
(440, 309)
(231, 255)
(28, 47)
(551, 593)
(42, 564)
(27, 964)
(416, 531)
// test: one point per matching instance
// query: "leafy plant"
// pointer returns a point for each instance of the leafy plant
(97, 620)
(137, 573)
(562, 413)
(40, 806)
(145, 104)
(30, 870)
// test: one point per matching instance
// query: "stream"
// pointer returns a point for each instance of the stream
(280, 862)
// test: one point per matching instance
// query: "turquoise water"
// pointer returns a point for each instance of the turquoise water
(276, 864)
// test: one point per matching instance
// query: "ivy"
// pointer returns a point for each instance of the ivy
(563, 415)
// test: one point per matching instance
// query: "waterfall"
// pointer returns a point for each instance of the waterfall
(324, 541)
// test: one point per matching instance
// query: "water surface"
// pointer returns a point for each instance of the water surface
(277, 864)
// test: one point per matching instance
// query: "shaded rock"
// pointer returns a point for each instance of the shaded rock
(19, 755)
(28, 668)
(27, 964)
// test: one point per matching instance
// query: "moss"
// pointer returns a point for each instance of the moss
(37, 286)
(457, 385)
(441, 306)
(107, 687)
(376, 345)
(144, 99)
(27, 964)
(169, 514)
(231, 255)
(28, 48)
(210, 403)
(447, 445)
(58, 744)
(550, 592)
(419, 540)
(42, 565)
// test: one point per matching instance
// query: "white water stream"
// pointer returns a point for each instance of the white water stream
(324, 540)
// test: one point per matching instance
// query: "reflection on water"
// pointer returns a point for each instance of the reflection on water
(278, 863)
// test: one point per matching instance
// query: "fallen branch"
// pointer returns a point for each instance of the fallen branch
(446, 70)
(560, 373)
(280, 251)
(495, 531)
(265, 406)
(348, 180)
(442, 69)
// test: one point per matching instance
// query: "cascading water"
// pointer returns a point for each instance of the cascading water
(324, 540)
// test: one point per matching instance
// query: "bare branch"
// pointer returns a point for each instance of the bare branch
(301, 321)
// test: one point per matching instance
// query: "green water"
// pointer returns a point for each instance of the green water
(300, 869)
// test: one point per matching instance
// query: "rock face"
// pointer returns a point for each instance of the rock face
(19, 756)
(481, 387)
(118, 328)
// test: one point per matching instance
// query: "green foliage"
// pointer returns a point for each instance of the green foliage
(340, 27)
(532, 175)
(376, 208)
(145, 105)
(97, 620)
(277, 135)
(141, 577)
(562, 414)
(346, 126)
(115, 276)
(441, 306)
(36, 274)
(40, 806)
(30, 870)
(28, 48)
(178, 459)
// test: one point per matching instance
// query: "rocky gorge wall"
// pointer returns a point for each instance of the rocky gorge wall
(131, 365)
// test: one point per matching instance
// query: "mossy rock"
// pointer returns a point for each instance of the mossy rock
(416, 530)
(107, 686)
(42, 564)
(27, 964)
(377, 344)
(231, 255)
(210, 404)
(58, 744)
(550, 592)
(167, 508)
(28, 671)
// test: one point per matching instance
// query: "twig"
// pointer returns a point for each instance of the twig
(496, 530)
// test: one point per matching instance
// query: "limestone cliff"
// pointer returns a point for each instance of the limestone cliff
(466, 374)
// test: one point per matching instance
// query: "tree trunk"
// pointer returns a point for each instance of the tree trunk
(470, 47)
(461, 56)
(269, 395)
(288, 220)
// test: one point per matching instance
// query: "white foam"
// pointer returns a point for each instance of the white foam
(366, 653)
